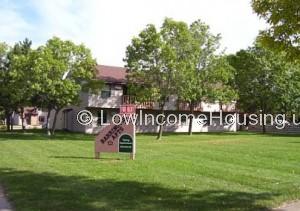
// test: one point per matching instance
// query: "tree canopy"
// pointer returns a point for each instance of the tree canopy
(178, 60)
(283, 18)
(65, 69)
(206, 75)
(265, 81)
(152, 63)
(17, 78)
(50, 76)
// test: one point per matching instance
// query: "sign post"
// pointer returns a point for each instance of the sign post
(117, 138)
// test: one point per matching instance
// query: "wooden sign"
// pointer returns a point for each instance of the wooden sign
(116, 138)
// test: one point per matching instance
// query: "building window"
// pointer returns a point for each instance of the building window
(102, 116)
(106, 92)
(183, 119)
(41, 119)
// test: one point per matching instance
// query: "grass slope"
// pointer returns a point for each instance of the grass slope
(240, 171)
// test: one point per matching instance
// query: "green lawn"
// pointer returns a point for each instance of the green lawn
(240, 171)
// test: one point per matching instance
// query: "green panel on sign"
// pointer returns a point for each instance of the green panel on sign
(125, 143)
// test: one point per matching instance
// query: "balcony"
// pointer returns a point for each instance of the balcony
(179, 105)
(146, 105)
(228, 108)
(185, 106)
(128, 99)
(206, 107)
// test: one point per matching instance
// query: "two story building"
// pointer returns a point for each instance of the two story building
(107, 103)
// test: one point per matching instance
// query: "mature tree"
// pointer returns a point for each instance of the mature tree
(178, 60)
(16, 79)
(283, 17)
(23, 79)
(154, 63)
(258, 76)
(206, 75)
(64, 69)
(5, 102)
(289, 89)
(220, 82)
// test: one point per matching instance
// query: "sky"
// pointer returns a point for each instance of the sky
(107, 26)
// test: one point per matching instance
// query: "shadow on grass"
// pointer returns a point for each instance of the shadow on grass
(84, 158)
(238, 133)
(75, 136)
(280, 134)
(198, 133)
(72, 157)
(41, 135)
(47, 191)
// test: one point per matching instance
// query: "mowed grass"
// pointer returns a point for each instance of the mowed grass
(241, 171)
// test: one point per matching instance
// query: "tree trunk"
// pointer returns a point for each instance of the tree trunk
(191, 118)
(47, 122)
(263, 122)
(22, 119)
(54, 121)
(160, 132)
(7, 116)
(221, 106)
(161, 126)
(263, 128)
(11, 123)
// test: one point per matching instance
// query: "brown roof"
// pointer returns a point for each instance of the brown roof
(111, 74)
